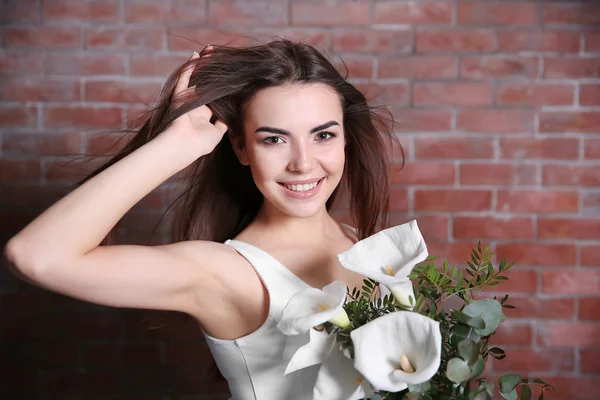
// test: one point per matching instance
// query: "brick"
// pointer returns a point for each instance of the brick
(555, 41)
(589, 360)
(415, 120)
(538, 254)
(571, 175)
(54, 382)
(359, 66)
(414, 13)
(239, 12)
(424, 173)
(85, 64)
(571, 282)
(592, 41)
(497, 14)
(566, 334)
(325, 13)
(535, 307)
(493, 228)
(533, 201)
(190, 39)
(571, 387)
(69, 171)
(510, 333)
(418, 67)
(566, 228)
(535, 95)
(179, 354)
(590, 203)
(18, 116)
(49, 37)
(588, 308)
(455, 253)
(129, 355)
(29, 88)
(82, 117)
(453, 40)
(21, 62)
(433, 227)
(41, 144)
(105, 11)
(495, 120)
(19, 11)
(498, 174)
(452, 200)
(523, 359)
(526, 148)
(310, 35)
(571, 67)
(480, 67)
(590, 256)
(370, 40)
(154, 64)
(452, 94)
(385, 94)
(47, 355)
(577, 14)
(589, 95)
(157, 12)
(122, 91)
(560, 122)
(591, 149)
(130, 39)
(14, 169)
(398, 199)
(453, 147)
(519, 281)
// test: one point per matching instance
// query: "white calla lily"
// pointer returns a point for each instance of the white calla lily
(339, 380)
(397, 349)
(312, 353)
(388, 257)
(313, 307)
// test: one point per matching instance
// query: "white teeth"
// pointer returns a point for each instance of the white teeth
(302, 188)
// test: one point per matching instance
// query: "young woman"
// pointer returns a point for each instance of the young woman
(267, 137)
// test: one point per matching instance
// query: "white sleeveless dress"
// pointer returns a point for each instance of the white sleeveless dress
(254, 364)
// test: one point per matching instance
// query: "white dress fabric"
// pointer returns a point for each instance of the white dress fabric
(254, 364)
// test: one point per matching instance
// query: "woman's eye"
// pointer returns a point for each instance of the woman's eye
(325, 135)
(273, 140)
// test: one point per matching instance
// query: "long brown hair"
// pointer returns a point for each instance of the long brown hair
(219, 197)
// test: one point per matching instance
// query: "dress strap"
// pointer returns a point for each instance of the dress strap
(280, 282)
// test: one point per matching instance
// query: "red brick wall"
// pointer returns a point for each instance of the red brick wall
(499, 111)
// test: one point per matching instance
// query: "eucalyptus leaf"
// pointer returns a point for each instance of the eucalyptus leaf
(512, 395)
(488, 309)
(475, 322)
(411, 396)
(469, 351)
(509, 382)
(457, 370)
(478, 368)
(466, 332)
(482, 396)
(420, 388)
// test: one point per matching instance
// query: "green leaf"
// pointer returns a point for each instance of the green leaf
(482, 396)
(488, 309)
(509, 382)
(475, 322)
(458, 371)
(512, 395)
(478, 368)
(466, 332)
(469, 351)
(419, 388)
(525, 393)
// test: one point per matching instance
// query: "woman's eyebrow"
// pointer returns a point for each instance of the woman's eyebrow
(278, 131)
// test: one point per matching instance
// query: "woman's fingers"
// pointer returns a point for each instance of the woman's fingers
(184, 79)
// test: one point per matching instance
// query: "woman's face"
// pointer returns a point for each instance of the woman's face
(294, 144)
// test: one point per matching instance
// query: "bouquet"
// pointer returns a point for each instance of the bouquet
(388, 343)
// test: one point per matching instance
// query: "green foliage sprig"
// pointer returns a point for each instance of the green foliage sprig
(466, 332)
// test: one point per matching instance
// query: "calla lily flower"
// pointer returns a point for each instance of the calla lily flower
(339, 380)
(398, 349)
(313, 307)
(388, 257)
(312, 353)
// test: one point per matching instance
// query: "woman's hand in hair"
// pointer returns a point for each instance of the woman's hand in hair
(195, 128)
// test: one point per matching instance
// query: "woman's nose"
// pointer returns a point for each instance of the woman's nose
(302, 159)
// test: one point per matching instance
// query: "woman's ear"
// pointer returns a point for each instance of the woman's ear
(237, 143)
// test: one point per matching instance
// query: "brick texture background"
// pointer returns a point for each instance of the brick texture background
(498, 104)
